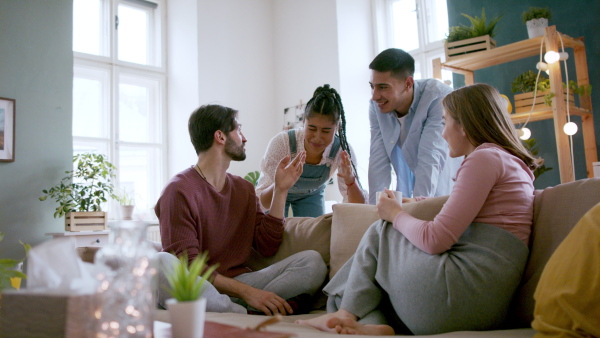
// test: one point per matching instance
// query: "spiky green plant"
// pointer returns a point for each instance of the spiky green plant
(8, 267)
(458, 33)
(480, 27)
(536, 13)
(184, 283)
(252, 177)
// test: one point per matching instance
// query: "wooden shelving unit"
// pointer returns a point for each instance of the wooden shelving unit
(469, 63)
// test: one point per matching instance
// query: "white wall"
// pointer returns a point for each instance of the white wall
(231, 45)
(182, 83)
(261, 56)
(355, 39)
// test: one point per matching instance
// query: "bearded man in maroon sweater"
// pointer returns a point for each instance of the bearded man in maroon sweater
(204, 208)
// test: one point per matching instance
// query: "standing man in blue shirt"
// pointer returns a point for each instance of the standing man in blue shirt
(406, 129)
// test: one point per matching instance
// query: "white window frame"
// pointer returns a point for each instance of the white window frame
(115, 67)
(384, 36)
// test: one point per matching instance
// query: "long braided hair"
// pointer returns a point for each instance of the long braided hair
(327, 102)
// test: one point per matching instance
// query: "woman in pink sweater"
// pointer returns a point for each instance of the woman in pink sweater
(459, 271)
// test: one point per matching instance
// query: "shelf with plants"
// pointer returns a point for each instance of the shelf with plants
(469, 63)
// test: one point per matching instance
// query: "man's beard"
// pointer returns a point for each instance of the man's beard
(235, 152)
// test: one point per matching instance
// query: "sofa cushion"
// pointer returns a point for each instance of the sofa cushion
(301, 233)
(556, 211)
(350, 221)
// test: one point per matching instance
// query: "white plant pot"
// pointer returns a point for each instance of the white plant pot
(127, 212)
(536, 27)
(187, 318)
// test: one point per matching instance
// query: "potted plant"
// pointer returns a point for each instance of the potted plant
(82, 191)
(464, 39)
(252, 177)
(127, 203)
(187, 309)
(10, 276)
(525, 84)
(536, 19)
(531, 145)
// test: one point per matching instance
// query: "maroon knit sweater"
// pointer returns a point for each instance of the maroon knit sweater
(195, 217)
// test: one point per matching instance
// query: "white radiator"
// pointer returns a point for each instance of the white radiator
(153, 233)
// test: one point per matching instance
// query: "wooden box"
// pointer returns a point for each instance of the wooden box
(524, 101)
(27, 313)
(457, 49)
(85, 221)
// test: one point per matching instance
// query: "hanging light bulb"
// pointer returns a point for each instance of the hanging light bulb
(563, 56)
(542, 66)
(551, 56)
(570, 128)
(524, 133)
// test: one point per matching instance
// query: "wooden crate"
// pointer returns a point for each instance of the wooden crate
(85, 221)
(457, 49)
(524, 101)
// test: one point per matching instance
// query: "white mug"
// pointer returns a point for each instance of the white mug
(398, 195)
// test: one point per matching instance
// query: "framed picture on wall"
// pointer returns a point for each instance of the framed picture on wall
(7, 130)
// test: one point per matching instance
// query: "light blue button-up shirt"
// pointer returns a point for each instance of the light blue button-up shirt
(412, 145)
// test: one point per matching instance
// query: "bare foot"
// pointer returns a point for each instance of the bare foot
(351, 326)
(321, 322)
(331, 322)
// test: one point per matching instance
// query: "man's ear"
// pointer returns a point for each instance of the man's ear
(220, 137)
(410, 81)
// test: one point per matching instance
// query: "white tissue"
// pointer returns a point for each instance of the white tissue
(55, 266)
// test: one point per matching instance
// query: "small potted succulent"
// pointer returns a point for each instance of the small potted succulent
(536, 19)
(187, 309)
(83, 190)
(127, 203)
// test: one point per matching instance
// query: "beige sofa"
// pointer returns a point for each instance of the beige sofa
(336, 236)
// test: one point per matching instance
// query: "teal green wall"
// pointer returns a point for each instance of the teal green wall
(577, 18)
(36, 69)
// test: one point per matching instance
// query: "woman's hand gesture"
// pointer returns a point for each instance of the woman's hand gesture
(345, 170)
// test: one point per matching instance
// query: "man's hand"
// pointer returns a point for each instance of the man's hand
(345, 169)
(267, 302)
(387, 206)
(288, 172)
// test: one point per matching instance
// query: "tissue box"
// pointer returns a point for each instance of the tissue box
(28, 313)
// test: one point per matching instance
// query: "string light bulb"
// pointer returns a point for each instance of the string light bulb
(570, 128)
(563, 56)
(551, 56)
(542, 66)
(524, 133)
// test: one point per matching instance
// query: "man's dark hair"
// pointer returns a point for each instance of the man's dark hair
(206, 120)
(399, 62)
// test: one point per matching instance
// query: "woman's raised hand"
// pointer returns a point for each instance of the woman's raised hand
(288, 171)
(345, 170)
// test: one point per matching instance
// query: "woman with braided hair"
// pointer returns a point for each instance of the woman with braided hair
(323, 139)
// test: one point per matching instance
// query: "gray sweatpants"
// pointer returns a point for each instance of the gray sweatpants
(303, 272)
(468, 287)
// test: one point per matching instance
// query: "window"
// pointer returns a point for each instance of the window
(119, 93)
(418, 27)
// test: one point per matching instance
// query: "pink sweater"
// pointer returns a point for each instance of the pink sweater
(492, 186)
(194, 217)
